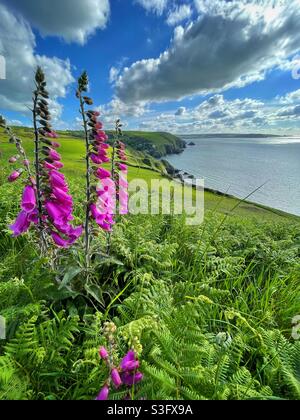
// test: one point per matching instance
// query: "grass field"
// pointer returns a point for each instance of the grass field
(73, 151)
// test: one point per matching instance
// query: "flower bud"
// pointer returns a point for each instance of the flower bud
(115, 377)
(103, 395)
(103, 353)
(14, 176)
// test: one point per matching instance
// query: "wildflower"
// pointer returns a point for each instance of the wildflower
(53, 155)
(57, 180)
(48, 165)
(123, 167)
(127, 373)
(45, 199)
(100, 201)
(51, 134)
(59, 241)
(101, 204)
(103, 395)
(115, 376)
(33, 217)
(28, 199)
(128, 361)
(129, 366)
(74, 233)
(103, 353)
(21, 224)
(58, 165)
(121, 171)
(131, 379)
(103, 173)
(13, 159)
(14, 176)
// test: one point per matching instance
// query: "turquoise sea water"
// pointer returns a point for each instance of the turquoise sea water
(238, 166)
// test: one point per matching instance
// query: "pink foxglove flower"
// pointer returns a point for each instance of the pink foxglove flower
(96, 159)
(102, 211)
(115, 377)
(127, 373)
(48, 165)
(51, 134)
(14, 176)
(59, 241)
(53, 155)
(128, 360)
(58, 165)
(57, 180)
(103, 173)
(29, 199)
(103, 395)
(62, 196)
(129, 365)
(131, 379)
(74, 234)
(21, 224)
(103, 353)
(123, 167)
(121, 172)
(45, 199)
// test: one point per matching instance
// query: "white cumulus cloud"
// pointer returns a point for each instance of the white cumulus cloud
(179, 14)
(72, 20)
(156, 6)
(17, 45)
(230, 44)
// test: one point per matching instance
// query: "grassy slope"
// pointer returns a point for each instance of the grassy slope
(163, 143)
(73, 151)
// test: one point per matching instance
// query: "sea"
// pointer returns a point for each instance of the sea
(265, 169)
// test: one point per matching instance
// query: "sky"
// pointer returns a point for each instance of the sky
(183, 66)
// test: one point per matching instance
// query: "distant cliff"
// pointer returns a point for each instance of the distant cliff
(155, 144)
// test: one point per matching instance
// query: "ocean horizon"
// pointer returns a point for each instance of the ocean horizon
(240, 165)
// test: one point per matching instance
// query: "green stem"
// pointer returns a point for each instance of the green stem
(38, 175)
(88, 186)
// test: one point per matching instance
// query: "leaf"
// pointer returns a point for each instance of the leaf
(69, 276)
(95, 291)
(103, 259)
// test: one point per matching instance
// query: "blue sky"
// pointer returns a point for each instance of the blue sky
(161, 65)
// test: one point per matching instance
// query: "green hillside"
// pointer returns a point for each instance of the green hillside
(142, 165)
(157, 144)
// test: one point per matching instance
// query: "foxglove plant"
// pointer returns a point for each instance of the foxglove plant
(100, 186)
(13, 139)
(28, 214)
(120, 170)
(125, 373)
(46, 200)
(21, 154)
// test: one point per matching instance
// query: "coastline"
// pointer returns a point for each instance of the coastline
(181, 176)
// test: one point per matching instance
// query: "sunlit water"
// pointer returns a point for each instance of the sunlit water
(238, 166)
